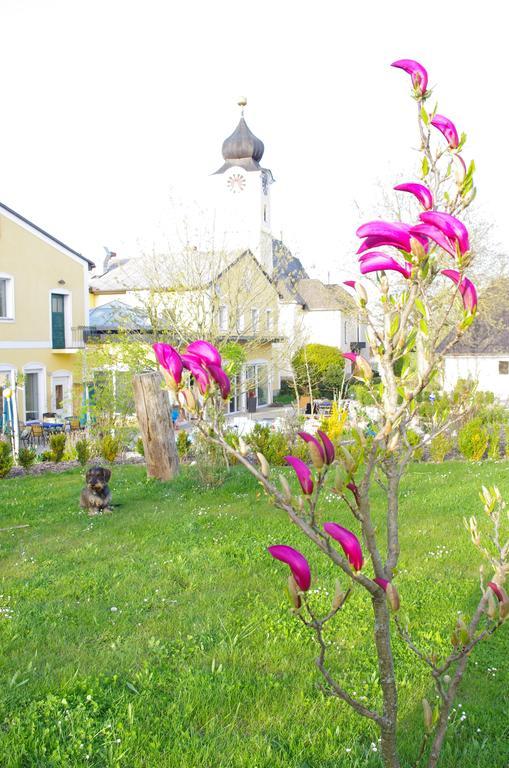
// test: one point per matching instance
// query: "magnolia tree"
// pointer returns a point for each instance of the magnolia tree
(408, 264)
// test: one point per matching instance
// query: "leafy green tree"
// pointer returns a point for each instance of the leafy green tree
(319, 370)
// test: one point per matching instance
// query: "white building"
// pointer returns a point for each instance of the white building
(482, 355)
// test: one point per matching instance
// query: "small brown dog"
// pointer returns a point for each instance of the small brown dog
(96, 497)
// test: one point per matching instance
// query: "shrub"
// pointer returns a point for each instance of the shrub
(109, 447)
(271, 443)
(334, 425)
(361, 394)
(83, 451)
(46, 456)
(414, 438)
(183, 443)
(6, 460)
(139, 447)
(494, 447)
(473, 440)
(27, 457)
(57, 446)
(440, 446)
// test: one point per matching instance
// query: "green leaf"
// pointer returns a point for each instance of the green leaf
(394, 325)
(405, 365)
(423, 326)
(425, 166)
(463, 139)
(420, 307)
(424, 116)
(411, 339)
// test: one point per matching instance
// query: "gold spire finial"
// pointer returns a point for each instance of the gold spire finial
(242, 102)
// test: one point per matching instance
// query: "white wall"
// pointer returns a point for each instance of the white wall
(483, 369)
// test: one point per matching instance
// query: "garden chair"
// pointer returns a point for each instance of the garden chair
(36, 433)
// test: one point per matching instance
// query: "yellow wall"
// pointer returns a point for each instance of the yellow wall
(37, 266)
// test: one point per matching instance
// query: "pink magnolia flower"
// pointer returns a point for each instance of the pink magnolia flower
(377, 233)
(170, 360)
(348, 541)
(435, 234)
(416, 71)
(448, 129)
(330, 451)
(452, 227)
(465, 287)
(349, 283)
(298, 564)
(311, 439)
(361, 367)
(205, 351)
(221, 379)
(353, 488)
(199, 373)
(419, 191)
(391, 592)
(303, 474)
(377, 261)
(499, 591)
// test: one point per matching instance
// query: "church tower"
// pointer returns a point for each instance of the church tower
(241, 189)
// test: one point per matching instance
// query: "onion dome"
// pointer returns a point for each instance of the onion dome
(242, 148)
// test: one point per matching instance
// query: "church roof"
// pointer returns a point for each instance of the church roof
(242, 149)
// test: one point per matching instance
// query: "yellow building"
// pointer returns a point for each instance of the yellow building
(223, 298)
(43, 299)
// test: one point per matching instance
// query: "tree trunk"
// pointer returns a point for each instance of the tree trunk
(154, 418)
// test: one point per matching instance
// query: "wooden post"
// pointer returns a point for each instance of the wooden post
(154, 418)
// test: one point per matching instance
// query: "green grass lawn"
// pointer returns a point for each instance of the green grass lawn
(161, 635)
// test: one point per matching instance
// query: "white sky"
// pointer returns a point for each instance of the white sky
(110, 107)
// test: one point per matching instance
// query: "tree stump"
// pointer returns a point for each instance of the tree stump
(154, 418)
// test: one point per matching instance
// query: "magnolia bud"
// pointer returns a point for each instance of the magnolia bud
(503, 610)
(264, 464)
(243, 447)
(462, 632)
(447, 679)
(286, 488)
(294, 592)
(316, 456)
(427, 715)
(491, 608)
(186, 400)
(339, 479)
(392, 597)
(393, 442)
(361, 293)
(170, 381)
(339, 597)
(417, 249)
(347, 459)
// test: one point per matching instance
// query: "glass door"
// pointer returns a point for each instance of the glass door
(32, 397)
(57, 321)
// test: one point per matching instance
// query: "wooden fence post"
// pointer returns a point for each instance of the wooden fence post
(154, 418)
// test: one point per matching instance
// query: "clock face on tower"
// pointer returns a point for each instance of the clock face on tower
(236, 182)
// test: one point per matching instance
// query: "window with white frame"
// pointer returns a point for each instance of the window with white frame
(223, 318)
(6, 297)
(255, 319)
(34, 393)
(268, 320)
(240, 321)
